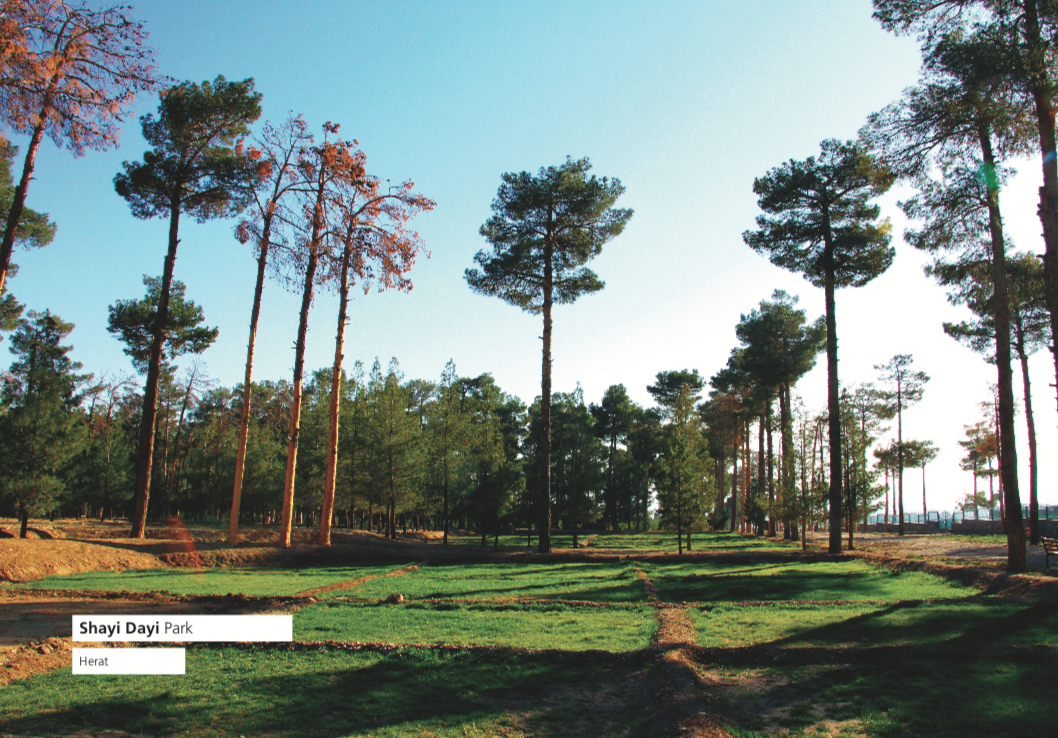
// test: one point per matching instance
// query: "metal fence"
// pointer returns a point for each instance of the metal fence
(945, 518)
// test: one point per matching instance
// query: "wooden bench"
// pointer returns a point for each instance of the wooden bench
(1050, 548)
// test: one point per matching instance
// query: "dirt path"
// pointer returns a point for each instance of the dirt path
(351, 583)
(683, 703)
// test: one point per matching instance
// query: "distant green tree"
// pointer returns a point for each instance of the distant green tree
(903, 387)
(748, 398)
(104, 469)
(668, 386)
(779, 347)
(819, 222)
(578, 462)
(613, 416)
(644, 448)
(920, 453)
(543, 231)
(980, 445)
(41, 425)
(448, 429)
(496, 481)
(684, 470)
(396, 462)
(197, 166)
(866, 409)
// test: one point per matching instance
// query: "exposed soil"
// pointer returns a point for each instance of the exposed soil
(350, 584)
(36, 657)
(27, 559)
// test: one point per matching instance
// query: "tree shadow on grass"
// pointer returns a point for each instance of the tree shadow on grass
(231, 692)
(747, 583)
(896, 693)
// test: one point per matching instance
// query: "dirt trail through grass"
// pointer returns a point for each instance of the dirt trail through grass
(683, 703)
(351, 583)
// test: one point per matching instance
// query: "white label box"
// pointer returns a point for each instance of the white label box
(183, 628)
(128, 661)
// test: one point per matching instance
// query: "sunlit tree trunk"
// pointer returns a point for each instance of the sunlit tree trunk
(336, 392)
(286, 519)
(247, 386)
(145, 450)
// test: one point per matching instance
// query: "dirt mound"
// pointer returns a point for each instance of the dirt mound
(27, 559)
(34, 658)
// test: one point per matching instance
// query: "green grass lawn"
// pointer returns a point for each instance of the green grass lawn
(606, 582)
(775, 581)
(230, 692)
(965, 694)
(253, 581)
(700, 542)
(543, 625)
(974, 622)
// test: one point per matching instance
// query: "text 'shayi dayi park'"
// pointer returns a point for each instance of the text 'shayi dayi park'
(722, 392)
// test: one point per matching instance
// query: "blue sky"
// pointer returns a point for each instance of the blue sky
(685, 102)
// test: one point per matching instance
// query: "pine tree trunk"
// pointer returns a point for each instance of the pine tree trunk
(336, 391)
(544, 544)
(771, 477)
(145, 449)
(247, 385)
(833, 399)
(736, 443)
(1034, 504)
(925, 512)
(1016, 551)
(761, 461)
(899, 457)
(444, 521)
(746, 463)
(286, 519)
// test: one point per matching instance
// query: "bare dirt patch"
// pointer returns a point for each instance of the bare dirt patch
(674, 627)
(24, 560)
(34, 658)
(350, 584)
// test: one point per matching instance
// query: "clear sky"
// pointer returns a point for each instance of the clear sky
(685, 102)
